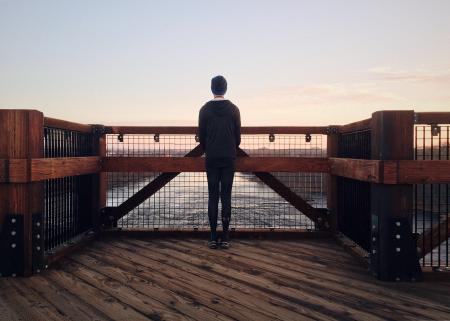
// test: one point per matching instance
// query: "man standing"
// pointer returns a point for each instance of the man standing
(220, 135)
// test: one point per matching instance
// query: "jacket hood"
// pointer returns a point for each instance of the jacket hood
(220, 107)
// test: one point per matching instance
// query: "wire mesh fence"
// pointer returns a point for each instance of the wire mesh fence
(432, 201)
(183, 202)
(353, 195)
(67, 200)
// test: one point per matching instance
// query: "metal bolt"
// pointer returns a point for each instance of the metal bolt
(38, 236)
(38, 248)
(374, 238)
(38, 271)
(46, 266)
(13, 245)
(13, 220)
(373, 227)
(13, 233)
(397, 279)
(397, 249)
(398, 223)
(14, 275)
(397, 236)
(38, 224)
(374, 251)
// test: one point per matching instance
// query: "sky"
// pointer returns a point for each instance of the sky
(295, 63)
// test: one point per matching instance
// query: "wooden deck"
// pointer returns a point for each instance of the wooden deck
(180, 279)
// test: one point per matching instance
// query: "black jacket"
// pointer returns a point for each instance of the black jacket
(219, 125)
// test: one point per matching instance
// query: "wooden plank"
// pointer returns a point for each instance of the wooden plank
(423, 171)
(94, 297)
(432, 237)
(432, 118)
(148, 190)
(242, 233)
(174, 300)
(356, 126)
(121, 291)
(196, 164)
(286, 193)
(359, 169)
(240, 300)
(257, 276)
(204, 290)
(49, 168)
(68, 125)
(192, 130)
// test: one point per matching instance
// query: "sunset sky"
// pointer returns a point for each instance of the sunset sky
(287, 62)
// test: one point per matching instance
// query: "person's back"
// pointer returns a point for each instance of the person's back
(219, 131)
(220, 136)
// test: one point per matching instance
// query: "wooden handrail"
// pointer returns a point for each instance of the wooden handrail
(68, 125)
(374, 171)
(192, 130)
(196, 164)
(432, 118)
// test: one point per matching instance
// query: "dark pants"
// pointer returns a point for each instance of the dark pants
(220, 182)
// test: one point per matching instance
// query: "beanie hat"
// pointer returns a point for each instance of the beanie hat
(218, 85)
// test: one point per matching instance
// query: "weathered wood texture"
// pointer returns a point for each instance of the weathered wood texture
(48, 168)
(192, 130)
(196, 164)
(432, 118)
(130, 279)
(39, 169)
(432, 237)
(63, 124)
(21, 137)
(359, 169)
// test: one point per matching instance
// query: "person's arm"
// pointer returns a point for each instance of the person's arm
(202, 129)
(237, 126)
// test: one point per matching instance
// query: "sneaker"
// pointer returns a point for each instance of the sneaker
(225, 244)
(212, 244)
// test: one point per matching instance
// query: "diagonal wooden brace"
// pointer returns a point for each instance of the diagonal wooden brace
(147, 191)
(432, 237)
(317, 216)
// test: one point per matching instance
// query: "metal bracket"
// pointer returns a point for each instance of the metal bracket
(156, 138)
(120, 138)
(271, 138)
(435, 130)
(197, 138)
(308, 138)
(100, 130)
(332, 130)
(12, 246)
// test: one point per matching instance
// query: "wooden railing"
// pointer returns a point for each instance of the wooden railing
(390, 173)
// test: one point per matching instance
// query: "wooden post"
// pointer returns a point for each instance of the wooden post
(21, 204)
(332, 199)
(394, 255)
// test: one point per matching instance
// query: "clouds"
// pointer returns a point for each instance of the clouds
(414, 76)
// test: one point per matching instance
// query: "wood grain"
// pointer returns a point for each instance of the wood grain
(64, 124)
(192, 130)
(433, 118)
(196, 164)
(359, 169)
